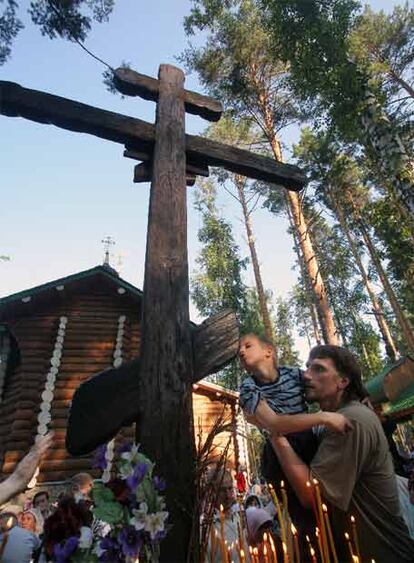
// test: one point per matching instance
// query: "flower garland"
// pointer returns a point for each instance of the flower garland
(44, 417)
(117, 362)
(129, 512)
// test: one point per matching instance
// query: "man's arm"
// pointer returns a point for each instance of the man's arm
(21, 476)
(265, 417)
(297, 472)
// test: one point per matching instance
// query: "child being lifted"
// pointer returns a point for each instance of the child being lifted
(273, 398)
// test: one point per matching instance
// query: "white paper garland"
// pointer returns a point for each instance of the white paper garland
(117, 361)
(44, 416)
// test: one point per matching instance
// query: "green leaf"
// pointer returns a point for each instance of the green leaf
(106, 508)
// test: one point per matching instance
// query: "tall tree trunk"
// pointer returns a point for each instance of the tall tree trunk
(402, 321)
(240, 182)
(313, 310)
(328, 327)
(390, 346)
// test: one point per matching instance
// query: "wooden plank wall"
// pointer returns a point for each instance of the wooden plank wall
(88, 348)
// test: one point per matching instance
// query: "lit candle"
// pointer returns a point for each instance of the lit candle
(242, 556)
(213, 542)
(323, 539)
(273, 548)
(318, 537)
(256, 555)
(355, 537)
(265, 557)
(285, 553)
(223, 539)
(312, 552)
(329, 530)
(279, 512)
(348, 541)
(295, 543)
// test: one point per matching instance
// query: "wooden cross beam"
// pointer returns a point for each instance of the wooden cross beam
(138, 135)
(157, 388)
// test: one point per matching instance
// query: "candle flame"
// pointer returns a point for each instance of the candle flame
(221, 508)
(292, 527)
(255, 551)
(352, 520)
(312, 551)
(308, 484)
(9, 522)
(324, 508)
(264, 550)
(242, 553)
(282, 484)
(265, 537)
(317, 532)
(307, 538)
(346, 536)
(251, 550)
(315, 481)
(284, 547)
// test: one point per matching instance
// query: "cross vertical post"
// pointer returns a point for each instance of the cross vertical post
(165, 425)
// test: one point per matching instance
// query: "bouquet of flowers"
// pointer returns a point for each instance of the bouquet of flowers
(129, 516)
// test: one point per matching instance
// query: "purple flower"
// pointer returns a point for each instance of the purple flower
(99, 460)
(130, 540)
(111, 550)
(137, 476)
(124, 447)
(63, 552)
(159, 484)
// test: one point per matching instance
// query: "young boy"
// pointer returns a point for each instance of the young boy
(267, 396)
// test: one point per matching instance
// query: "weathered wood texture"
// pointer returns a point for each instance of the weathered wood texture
(132, 83)
(215, 343)
(166, 352)
(143, 173)
(139, 135)
(88, 347)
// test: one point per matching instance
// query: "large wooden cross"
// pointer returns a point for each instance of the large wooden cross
(156, 390)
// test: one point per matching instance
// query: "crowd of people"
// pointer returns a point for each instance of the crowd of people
(342, 447)
(29, 533)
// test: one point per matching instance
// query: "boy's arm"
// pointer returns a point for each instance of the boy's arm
(285, 424)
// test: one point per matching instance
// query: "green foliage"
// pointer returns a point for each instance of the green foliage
(383, 44)
(10, 25)
(68, 19)
(312, 36)
(217, 284)
(234, 63)
(398, 247)
(287, 355)
(106, 508)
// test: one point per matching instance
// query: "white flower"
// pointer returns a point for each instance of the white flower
(154, 523)
(86, 538)
(131, 456)
(140, 516)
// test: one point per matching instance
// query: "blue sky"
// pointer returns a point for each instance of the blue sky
(63, 192)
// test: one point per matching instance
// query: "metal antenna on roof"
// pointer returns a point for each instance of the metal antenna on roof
(107, 242)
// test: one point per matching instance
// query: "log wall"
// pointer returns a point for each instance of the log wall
(88, 348)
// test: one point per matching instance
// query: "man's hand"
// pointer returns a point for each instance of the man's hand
(251, 419)
(336, 422)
